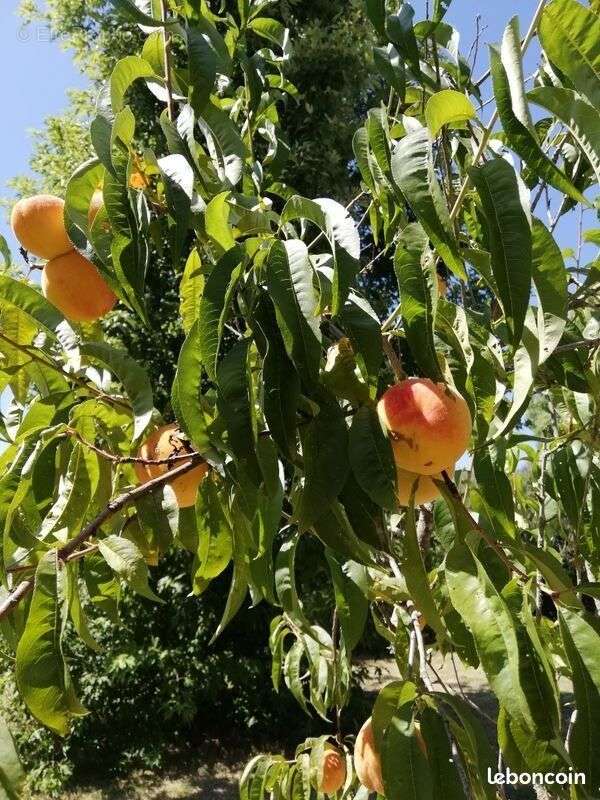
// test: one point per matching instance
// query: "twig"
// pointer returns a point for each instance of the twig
(91, 529)
(172, 459)
(490, 126)
(393, 359)
(15, 597)
(587, 343)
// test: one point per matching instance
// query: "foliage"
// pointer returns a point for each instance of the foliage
(277, 380)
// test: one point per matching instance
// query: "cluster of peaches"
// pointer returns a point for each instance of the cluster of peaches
(69, 281)
(367, 763)
(429, 425)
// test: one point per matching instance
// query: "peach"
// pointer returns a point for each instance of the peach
(367, 762)
(75, 287)
(429, 425)
(426, 490)
(163, 443)
(38, 223)
(333, 774)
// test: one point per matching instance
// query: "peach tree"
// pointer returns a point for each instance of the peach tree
(297, 412)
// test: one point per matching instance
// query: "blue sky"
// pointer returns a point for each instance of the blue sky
(45, 72)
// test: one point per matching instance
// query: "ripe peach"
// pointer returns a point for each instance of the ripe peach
(429, 424)
(333, 775)
(38, 223)
(367, 762)
(165, 442)
(426, 491)
(75, 287)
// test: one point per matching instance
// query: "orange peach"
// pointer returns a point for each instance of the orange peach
(426, 490)
(429, 425)
(38, 223)
(333, 774)
(75, 287)
(163, 443)
(367, 762)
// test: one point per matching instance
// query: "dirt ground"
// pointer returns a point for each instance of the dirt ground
(216, 778)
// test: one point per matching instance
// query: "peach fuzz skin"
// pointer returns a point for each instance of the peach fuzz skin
(74, 285)
(429, 425)
(161, 444)
(38, 223)
(334, 772)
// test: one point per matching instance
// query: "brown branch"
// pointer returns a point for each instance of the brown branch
(116, 459)
(68, 552)
(15, 597)
(393, 359)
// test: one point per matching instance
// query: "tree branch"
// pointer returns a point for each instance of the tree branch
(91, 529)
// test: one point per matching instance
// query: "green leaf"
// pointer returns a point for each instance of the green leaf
(126, 72)
(412, 168)
(478, 758)
(399, 28)
(134, 379)
(496, 492)
(503, 644)
(350, 584)
(11, 771)
(581, 640)
(202, 60)
(239, 581)
(406, 771)
(444, 773)
(66, 515)
(550, 280)
(376, 13)
(81, 186)
(580, 118)
(215, 538)
(509, 238)
(527, 358)
(270, 29)
(133, 13)
(372, 459)
(336, 223)
(191, 290)
(214, 306)
(448, 107)
(569, 33)
(125, 559)
(186, 394)
(417, 580)
(233, 376)
(391, 67)
(216, 220)
(507, 76)
(33, 304)
(290, 284)
(416, 276)
(280, 379)
(324, 438)
(40, 670)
